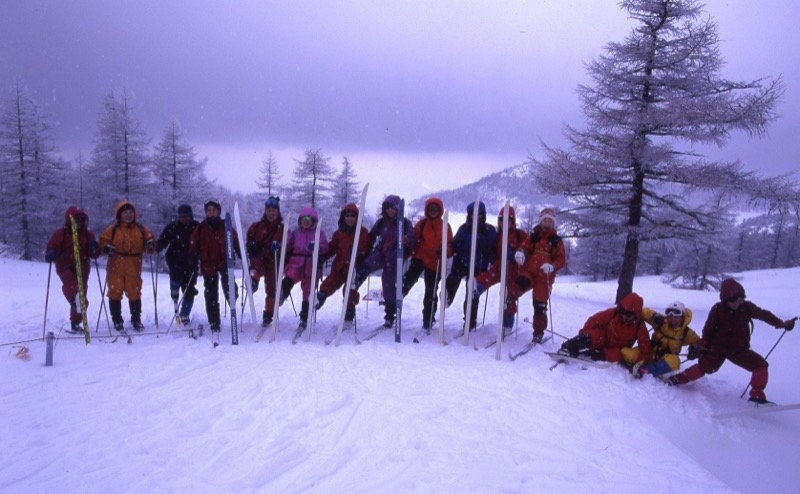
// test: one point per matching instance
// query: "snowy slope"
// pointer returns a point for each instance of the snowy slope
(173, 414)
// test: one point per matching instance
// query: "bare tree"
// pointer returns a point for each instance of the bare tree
(312, 180)
(659, 87)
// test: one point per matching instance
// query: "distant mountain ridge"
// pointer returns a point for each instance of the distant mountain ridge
(514, 183)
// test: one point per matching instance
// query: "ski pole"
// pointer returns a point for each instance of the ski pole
(485, 303)
(550, 308)
(47, 298)
(180, 300)
(102, 299)
(768, 354)
(155, 287)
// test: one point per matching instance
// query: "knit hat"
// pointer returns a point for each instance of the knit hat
(273, 202)
(185, 210)
(212, 202)
(547, 213)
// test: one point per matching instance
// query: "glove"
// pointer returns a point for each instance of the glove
(274, 246)
(548, 268)
(519, 257)
(50, 256)
(92, 244)
(597, 355)
(658, 319)
(311, 246)
(109, 249)
(692, 353)
(788, 325)
(194, 258)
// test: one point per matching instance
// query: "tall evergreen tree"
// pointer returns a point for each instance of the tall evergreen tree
(120, 162)
(313, 177)
(658, 87)
(345, 188)
(32, 177)
(269, 176)
(178, 172)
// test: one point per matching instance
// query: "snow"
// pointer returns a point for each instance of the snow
(172, 414)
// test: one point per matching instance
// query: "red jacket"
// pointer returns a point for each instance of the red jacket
(429, 237)
(61, 243)
(610, 333)
(208, 243)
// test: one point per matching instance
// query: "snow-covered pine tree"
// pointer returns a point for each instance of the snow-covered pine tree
(269, 177)
(658, 87)
(179, 174)
(120, 162)
(32, 178)
(345, 187)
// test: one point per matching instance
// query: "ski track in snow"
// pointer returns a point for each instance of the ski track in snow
(172, 414)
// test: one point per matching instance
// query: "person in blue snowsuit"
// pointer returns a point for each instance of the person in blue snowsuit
(485, 253)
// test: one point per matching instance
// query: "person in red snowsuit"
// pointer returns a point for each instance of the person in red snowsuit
(539, 258)
(426, 257)
(340, 248)
(263, 246)
(726, 336)
(484, 280)
(607, 333)
(60, 251)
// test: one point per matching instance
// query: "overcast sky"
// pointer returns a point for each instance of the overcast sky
(420, 95)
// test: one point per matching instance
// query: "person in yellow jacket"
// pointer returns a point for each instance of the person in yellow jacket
(124, 241)
(671, 332)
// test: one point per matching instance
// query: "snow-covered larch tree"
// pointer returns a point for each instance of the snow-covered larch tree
(33, 180)
(345, 187)
(658, 88)
(269, 176)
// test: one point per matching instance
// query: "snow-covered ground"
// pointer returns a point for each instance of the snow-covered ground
(172, 414)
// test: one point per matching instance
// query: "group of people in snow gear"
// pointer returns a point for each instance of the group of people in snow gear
(619, 334)
(616, 334)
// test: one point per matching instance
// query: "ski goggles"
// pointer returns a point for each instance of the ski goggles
(307, 218)
(673, 312)
(273, 202)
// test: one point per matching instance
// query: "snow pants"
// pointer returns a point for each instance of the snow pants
(260, 267)
(745, 358)
(430, 300)
(69, 287)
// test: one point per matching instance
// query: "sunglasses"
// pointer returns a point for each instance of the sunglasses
(673, 312)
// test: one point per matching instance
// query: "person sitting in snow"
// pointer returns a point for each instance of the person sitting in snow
(610, 334)
(726, 336)
(671, 332)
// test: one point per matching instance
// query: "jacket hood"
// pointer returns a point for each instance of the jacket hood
(118, 209)
(308, 211)
(437, 201)
(512, 219)
(391, 200)
(74, 211)
(632, 302)
(730, 288)
(349, 207)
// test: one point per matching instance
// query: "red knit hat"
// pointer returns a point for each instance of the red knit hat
(547, 213)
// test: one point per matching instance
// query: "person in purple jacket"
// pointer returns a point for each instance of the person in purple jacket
(299, 252)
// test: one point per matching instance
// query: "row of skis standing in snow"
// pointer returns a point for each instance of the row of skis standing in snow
(403, 252)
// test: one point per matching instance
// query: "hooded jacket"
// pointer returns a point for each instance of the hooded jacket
(341, 245)
(429, 236)
(609, 332)
(60, 243)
